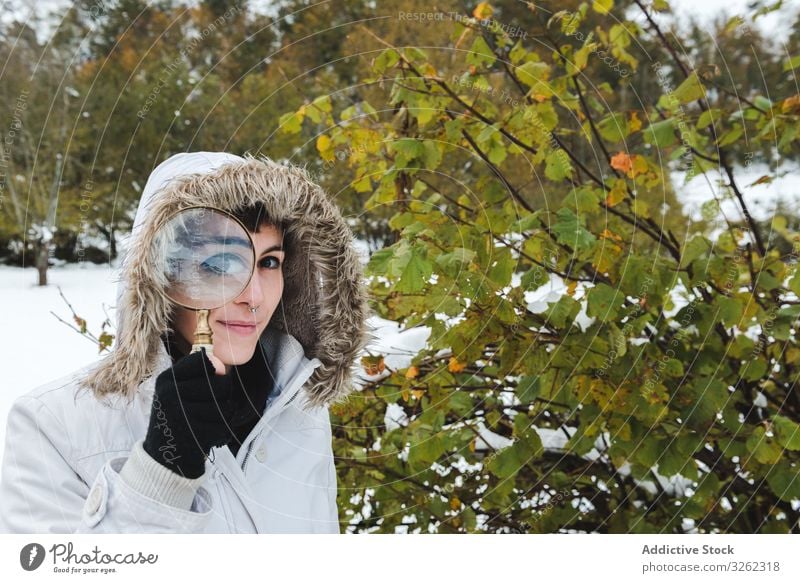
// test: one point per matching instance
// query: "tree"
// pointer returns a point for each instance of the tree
(39, 109)
(656, 392)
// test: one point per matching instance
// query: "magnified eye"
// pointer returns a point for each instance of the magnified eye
(224, 264)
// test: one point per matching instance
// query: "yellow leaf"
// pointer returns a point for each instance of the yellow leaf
(405, 394)
(634, 123)
(483, 10)
(603, 6)
(455, 503)
(455, 366)
(418, 393)
(617, 193)
(412, 372)
(639, 166)
(573, 285)
(324, 148)
(606, 234)
(472, 445)
(606, 256)
(791, 104)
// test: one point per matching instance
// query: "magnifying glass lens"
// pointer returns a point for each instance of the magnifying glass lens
(207, 258)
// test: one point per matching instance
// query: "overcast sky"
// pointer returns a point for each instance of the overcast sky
(705, 10)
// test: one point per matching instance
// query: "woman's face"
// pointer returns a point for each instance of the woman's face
(235, 329)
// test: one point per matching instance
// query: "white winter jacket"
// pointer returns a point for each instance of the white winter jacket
(73, 460)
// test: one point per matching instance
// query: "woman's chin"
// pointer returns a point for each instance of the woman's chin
(230, 356)
(232, 351)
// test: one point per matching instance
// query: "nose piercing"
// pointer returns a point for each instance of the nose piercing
(252, 309)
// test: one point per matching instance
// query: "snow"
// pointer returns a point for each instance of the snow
(760, 198)
(36, 347)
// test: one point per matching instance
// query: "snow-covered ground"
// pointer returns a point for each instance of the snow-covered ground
(36, 348)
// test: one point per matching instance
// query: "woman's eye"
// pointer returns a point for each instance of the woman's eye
(223, 264)
(270, 263)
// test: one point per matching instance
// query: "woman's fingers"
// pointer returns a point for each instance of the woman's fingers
(219, 366)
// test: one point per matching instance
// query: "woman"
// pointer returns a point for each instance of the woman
(153, 439)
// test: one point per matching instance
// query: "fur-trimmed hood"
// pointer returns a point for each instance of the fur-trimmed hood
(324, 302)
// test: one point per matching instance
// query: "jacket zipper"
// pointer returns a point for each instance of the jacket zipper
(247, 453)
(232, 519)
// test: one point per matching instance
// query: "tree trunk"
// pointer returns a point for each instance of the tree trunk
(112, 244)
(42, 259)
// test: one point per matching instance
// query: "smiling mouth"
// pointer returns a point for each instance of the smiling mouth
(242, 328)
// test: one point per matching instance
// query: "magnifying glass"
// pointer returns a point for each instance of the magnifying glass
(206, 257)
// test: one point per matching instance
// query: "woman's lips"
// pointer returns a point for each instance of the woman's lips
(241, 328)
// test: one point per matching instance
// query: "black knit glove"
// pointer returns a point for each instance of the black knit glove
(193, 410)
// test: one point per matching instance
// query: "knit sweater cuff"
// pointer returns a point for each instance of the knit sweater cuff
(148, 477)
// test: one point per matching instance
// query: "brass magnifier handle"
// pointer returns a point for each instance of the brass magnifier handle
(203, 334)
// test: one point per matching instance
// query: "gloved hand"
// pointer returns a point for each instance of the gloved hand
(193, 410)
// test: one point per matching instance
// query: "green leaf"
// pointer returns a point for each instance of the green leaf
(410, 267)
(532, 72)
(501, 270)
(426, 451)
(731, 311)
(784, 481)
(557, 166)
(614, 127)
(534, 278)
(695, 249)
(480, 54)
(730, 136)
(563, 312)
(690, 90)
(708, 117)
(518, 53)
(604, 302)
(379, 261)
(510, 459)
(527, 389)
(765, 449)
(386, 60)
(431, 155)
(587, 200)
(415, 54)
(461, 403)
(407, 149)
(570, 231)
(787, 432)
(504, 463)
(792, 63)
(673, 368)
(455, 261)
(291, 122)
(661, 133)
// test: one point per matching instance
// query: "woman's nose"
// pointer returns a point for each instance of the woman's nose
(253, 294)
